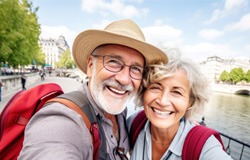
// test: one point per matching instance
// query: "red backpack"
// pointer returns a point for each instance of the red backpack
(24, 104)
(194, 141)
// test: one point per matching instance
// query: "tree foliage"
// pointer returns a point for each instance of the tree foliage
(19, 32)
(40, 58)
(235, 75)
(247, 76)
(65, 61)
(224, 77)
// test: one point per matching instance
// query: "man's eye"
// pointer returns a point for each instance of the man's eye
(136, 69)
(114, 62)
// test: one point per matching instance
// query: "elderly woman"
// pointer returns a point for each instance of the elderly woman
(173, 93)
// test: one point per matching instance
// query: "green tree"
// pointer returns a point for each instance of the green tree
(65, 60)
(224, 76)
(247, 76)
(236, 75)
(40, 58)
(19, 32)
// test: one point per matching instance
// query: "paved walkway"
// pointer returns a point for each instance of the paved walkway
(67, 84)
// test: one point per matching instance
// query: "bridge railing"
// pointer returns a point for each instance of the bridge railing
(237, 149)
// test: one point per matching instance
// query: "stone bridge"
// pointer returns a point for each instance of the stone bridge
(234, 89)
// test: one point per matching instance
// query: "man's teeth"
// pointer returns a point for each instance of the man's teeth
(117, 91)
(162, 113)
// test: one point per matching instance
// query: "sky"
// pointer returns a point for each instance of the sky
(195, 29)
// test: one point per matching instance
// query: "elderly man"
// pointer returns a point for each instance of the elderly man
(114, 60)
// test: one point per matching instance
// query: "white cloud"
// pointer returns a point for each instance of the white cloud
(231, 4)
(114, 7)
(102, 24)
(56, 31)
(242, 25)
(159, 34)
(199, 52)
(210, 33)
(229, 7)
(137, 1)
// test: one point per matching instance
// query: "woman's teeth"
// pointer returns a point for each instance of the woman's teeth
(162, 113)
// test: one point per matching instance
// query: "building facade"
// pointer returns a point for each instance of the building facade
(53, 48)
(214, 66)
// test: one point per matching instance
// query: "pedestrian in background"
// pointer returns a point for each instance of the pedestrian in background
(42, 74)
(23, 81)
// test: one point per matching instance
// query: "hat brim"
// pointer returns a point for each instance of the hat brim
(88, 40)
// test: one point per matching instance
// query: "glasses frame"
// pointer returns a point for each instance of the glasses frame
(103, 61)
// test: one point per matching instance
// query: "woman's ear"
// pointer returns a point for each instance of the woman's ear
(191, 101)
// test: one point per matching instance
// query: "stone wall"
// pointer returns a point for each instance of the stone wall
(13, 82)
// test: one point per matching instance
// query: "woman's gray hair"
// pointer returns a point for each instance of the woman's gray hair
(199, 85)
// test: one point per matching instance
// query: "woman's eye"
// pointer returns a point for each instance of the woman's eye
(177, 92)
(154, 88)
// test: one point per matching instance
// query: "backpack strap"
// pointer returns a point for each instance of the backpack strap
(195, 141)
(74, 107)
(79, 103)
(136, 127)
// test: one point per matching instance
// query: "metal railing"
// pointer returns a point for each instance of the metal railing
(237, 149)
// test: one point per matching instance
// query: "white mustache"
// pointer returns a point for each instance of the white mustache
(116, 84)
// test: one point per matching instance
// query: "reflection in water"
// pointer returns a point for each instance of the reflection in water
(229, 114)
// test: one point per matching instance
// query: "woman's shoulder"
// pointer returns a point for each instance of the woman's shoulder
(212, 149)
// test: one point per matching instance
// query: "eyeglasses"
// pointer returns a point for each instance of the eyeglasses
(115, 65)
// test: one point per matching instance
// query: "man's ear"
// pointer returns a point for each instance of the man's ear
(89, 66)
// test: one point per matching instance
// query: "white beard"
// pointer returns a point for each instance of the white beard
(108, 103)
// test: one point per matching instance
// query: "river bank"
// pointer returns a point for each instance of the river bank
(231, 89)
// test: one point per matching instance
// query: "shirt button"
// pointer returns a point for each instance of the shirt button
(112, 136)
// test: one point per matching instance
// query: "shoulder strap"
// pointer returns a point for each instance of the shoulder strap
(136, 126)
(195, 141)
(79, 103)
(74, 107)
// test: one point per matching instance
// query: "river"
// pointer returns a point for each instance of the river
(229, 114)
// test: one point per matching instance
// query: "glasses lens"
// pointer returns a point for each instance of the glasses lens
(136, 72)
(112, 64)
(115, 65)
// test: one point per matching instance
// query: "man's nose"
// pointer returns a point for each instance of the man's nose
(123, 76)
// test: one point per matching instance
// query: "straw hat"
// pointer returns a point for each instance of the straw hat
(122, 32)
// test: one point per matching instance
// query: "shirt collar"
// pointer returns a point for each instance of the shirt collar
(178, 141)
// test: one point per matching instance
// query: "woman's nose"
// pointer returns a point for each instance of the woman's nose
(164, 99)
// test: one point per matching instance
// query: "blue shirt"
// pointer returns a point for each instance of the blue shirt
(212, 150)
